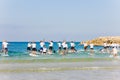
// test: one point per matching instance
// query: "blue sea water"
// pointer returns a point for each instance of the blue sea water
(109, 70)
(19, 50)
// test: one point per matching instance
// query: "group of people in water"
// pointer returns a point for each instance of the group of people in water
(111, 48)
(62, 47)
(91, 47)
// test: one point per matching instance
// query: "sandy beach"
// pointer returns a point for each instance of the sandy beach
(59, 40)
(107, 70)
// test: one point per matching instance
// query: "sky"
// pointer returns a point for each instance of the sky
(78, 20)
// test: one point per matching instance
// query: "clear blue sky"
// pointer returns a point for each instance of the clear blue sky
(24, 20)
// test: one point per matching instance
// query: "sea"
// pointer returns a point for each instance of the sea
(13, 67)
(19, 50)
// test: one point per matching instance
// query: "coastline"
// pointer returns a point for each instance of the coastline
(56, 60)
(100, 40)
(60, 69)
(58, 66)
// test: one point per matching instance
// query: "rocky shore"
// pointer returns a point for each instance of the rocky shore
(100, 40)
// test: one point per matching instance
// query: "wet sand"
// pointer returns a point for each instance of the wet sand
(97, 70)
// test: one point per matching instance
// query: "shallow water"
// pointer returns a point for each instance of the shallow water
(17, 50)
(14, 69)
(107, 70)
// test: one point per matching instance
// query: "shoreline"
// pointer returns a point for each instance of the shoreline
(55, 60)
(60, 70)
(58, 66)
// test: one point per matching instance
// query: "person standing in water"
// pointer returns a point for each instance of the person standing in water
(44, 50)
(105, 45)
(91, 49)
(72, 44)
(50, 47)
(42, 44)
(114, 52)
(85, 46)
(65, 48)
(59, 47)
(29, 47)
(34, 48)
(5, 47)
